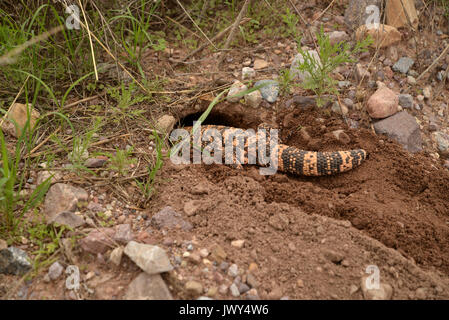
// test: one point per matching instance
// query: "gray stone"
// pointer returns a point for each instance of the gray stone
(69, 219)
(148, 287)
(356, 15)
(406, 101)
(295, 73)
(62, 197)
(243, 288)
(167, 218)
(95, 162)
(150, 259)
(14, 261)
(403, 65)
(441, 75)
(442, 140)
(253, 99)
(411, 80)
(403, 128)
(235, 90)
(344, 84)
(116, 256)
(55, 271)
(234, 290)
(123, 233)
(248, 73)
(233, 270)
(348, 102)
(270, 89)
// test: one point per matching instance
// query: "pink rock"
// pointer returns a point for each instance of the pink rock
(123, 233)
(383, 103)
(98, 241)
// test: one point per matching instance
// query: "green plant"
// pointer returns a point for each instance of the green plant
(126, 97)
(147, 187)
(285, 81)
(249, 32)
(80, 143)
(291, 20)
(12, 206)
(319, 78)
(121, 161)
(46, 238)
(133, 29)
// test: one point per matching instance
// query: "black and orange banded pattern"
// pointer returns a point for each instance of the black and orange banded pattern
(291, 159)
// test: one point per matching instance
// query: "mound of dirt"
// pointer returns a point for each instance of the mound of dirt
(289, 224)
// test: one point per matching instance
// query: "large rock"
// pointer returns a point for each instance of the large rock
(356, 13)
(18, 115)
(100, 240)
(62, 197)
(383, 103)
(148, 287)
(382, 35)
(150, 259)
(14, 261)
(295, 73)
(167, 218)
(398, 17)
(403, 128)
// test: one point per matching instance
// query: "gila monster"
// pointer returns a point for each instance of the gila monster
(291, 159)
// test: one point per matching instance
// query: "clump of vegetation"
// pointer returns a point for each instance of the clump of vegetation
(13, 202)
(331, 56)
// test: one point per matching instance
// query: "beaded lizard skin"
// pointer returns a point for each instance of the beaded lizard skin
(289, 159)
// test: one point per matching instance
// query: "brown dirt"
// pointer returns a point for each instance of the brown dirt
(294, 226)
(396, 198)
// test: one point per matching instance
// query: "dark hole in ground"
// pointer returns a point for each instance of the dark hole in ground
(214, 118)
